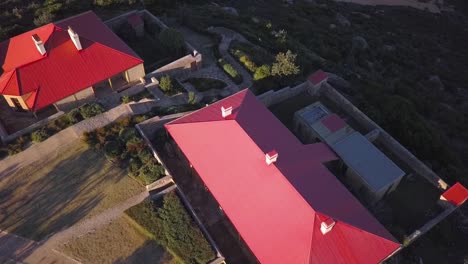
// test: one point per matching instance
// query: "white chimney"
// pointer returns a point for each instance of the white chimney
(271, 157)
(225, 112)
(75, 38)
(327, 225)
(39, 45)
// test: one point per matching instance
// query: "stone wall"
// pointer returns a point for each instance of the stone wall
(273, 97)
(179, 68)
(386, 139)
(75, 100)
(8, 138)
(135, 73)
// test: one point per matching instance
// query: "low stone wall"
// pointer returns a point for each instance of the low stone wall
(8, 138)
(180, 68)
(273, 97)
(133, 90)
(393, 145)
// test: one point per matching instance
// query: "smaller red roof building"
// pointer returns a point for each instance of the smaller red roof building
(457, 194)
(63, 70)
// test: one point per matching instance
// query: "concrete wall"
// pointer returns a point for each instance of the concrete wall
(386, 139)
(20, 99)
(179, 68)
(273, 97)
(75, 100)
(135, 73)
(8, 138)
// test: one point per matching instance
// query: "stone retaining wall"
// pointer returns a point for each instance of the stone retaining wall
(273, 97)
(8, 138)
(179, 68)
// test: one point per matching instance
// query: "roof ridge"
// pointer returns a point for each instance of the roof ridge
(173, 122)
(11, 72)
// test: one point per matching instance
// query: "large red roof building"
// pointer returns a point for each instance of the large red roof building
(285, 204)
(58, 60)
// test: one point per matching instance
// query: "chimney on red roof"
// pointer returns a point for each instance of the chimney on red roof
(327, 225)
(271, 157)
(225, 112)
(75, 38)
(39, 44)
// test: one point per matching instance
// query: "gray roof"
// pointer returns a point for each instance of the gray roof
(374, 167)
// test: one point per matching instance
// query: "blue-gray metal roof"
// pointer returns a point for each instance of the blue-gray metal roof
(374, 167)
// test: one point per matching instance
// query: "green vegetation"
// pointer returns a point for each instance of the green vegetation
(173, 41)
(123, 145)
(170, 86)
(173, 228)
(206, 84)
(285, 64)
(229, 69)
(74, 116)
(192, 98)
(61, 189)
(137, 97)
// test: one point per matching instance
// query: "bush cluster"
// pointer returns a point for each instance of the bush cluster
(122, 144)
(74, 116)
(229, 69)
(174, 228)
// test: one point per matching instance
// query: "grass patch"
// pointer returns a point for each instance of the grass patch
(58, 191)
(172, 226)
(117, 242)
(206, 84)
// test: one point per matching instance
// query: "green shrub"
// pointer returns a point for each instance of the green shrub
(166, 84)
(145, 155)
(151, 171)
(74, 116)
(173, 41)
(250, 65)
(262, 72)
(39, 135)
(229, 69)
(90, 138)
(127, 133)
(134, 166)
(90, 110)
(135, 145)
(139, 118)
(192, 98)
(126, 99)
(285, 64)
(112, 149)
(17, 146)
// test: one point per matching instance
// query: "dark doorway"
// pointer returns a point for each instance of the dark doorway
(17, 104)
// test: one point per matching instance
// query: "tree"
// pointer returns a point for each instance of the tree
(285, 64)
(262, 72)
(166, 83)
(173, 41)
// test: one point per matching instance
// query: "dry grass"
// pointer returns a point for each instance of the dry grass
(59, 191)
(118, 242)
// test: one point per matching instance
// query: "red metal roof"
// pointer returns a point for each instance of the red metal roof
(457, 194)
(63, 70)
(333, 122)
(318, 77)
(277, 209)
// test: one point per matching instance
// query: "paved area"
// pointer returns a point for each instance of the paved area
(227, 37)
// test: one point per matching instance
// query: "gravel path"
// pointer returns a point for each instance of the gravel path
(96, 222)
